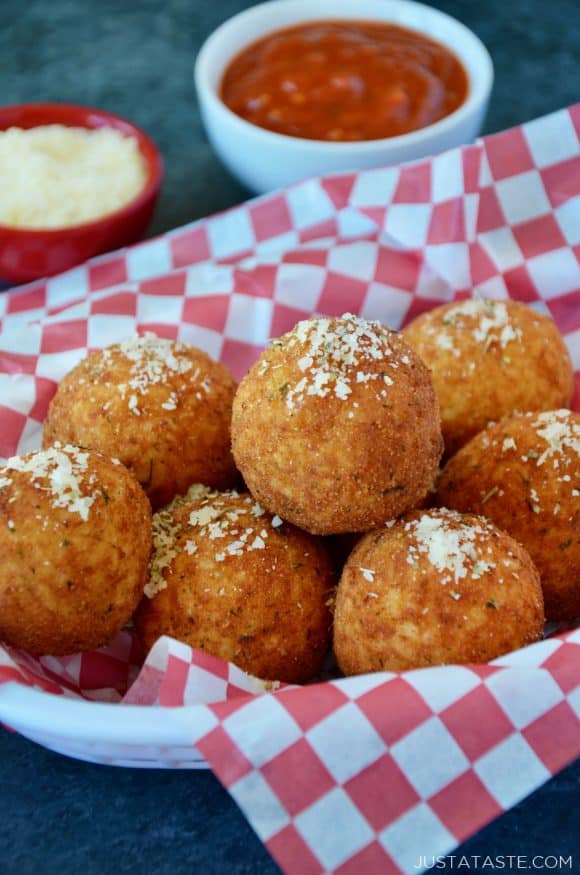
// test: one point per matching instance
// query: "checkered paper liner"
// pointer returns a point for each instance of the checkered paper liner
(357, 774)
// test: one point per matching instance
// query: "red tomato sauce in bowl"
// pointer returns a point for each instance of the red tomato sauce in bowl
(344, 80)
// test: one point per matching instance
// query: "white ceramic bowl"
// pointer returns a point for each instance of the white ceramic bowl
(263, 160)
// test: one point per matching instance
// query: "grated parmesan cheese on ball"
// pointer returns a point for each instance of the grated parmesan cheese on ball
(555, 451)
(54, 176)
(166, 530)
(59, 471)
(450, 544)
(492, 322)
(219, 520)
(335, 353)
(559, 431)
(215, 517)
(153, 361)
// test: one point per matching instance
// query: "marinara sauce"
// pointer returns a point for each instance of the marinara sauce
(344, 80)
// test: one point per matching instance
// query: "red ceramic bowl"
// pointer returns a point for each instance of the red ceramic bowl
(29, 254)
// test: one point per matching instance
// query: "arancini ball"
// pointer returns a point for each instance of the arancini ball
(228, 578)
(163, 408)
(75, 540)
(524, 474)
(336, 426)
(490, 359)
(435, 587)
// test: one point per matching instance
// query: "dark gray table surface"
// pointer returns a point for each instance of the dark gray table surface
(135, 59)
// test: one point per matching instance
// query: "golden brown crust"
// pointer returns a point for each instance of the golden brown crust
(337, 445)
(524, 474)
(162, 408)
(490, 359)
(404, 601)
(240, 585)
(68, 583)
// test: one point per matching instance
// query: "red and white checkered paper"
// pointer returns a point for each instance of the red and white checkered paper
(364, 773)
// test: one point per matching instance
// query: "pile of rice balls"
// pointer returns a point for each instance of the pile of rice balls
(306, 507)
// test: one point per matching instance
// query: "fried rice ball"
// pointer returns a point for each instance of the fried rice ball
(75, 540)
(163, 408)
(436, 587)
(524, 474)
(490, 359)
(336, 426)
(228, 578)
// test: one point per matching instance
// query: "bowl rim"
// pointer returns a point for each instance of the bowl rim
(153, 160)
(478, 93)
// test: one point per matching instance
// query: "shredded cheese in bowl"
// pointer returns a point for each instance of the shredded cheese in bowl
(54, 176)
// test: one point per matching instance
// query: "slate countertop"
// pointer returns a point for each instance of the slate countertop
(135, 58)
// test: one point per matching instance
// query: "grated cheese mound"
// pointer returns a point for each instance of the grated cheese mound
(54, 176)
(60, 471)
(154, 360)
(450, 544)
(492, 322)
(335, 352)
